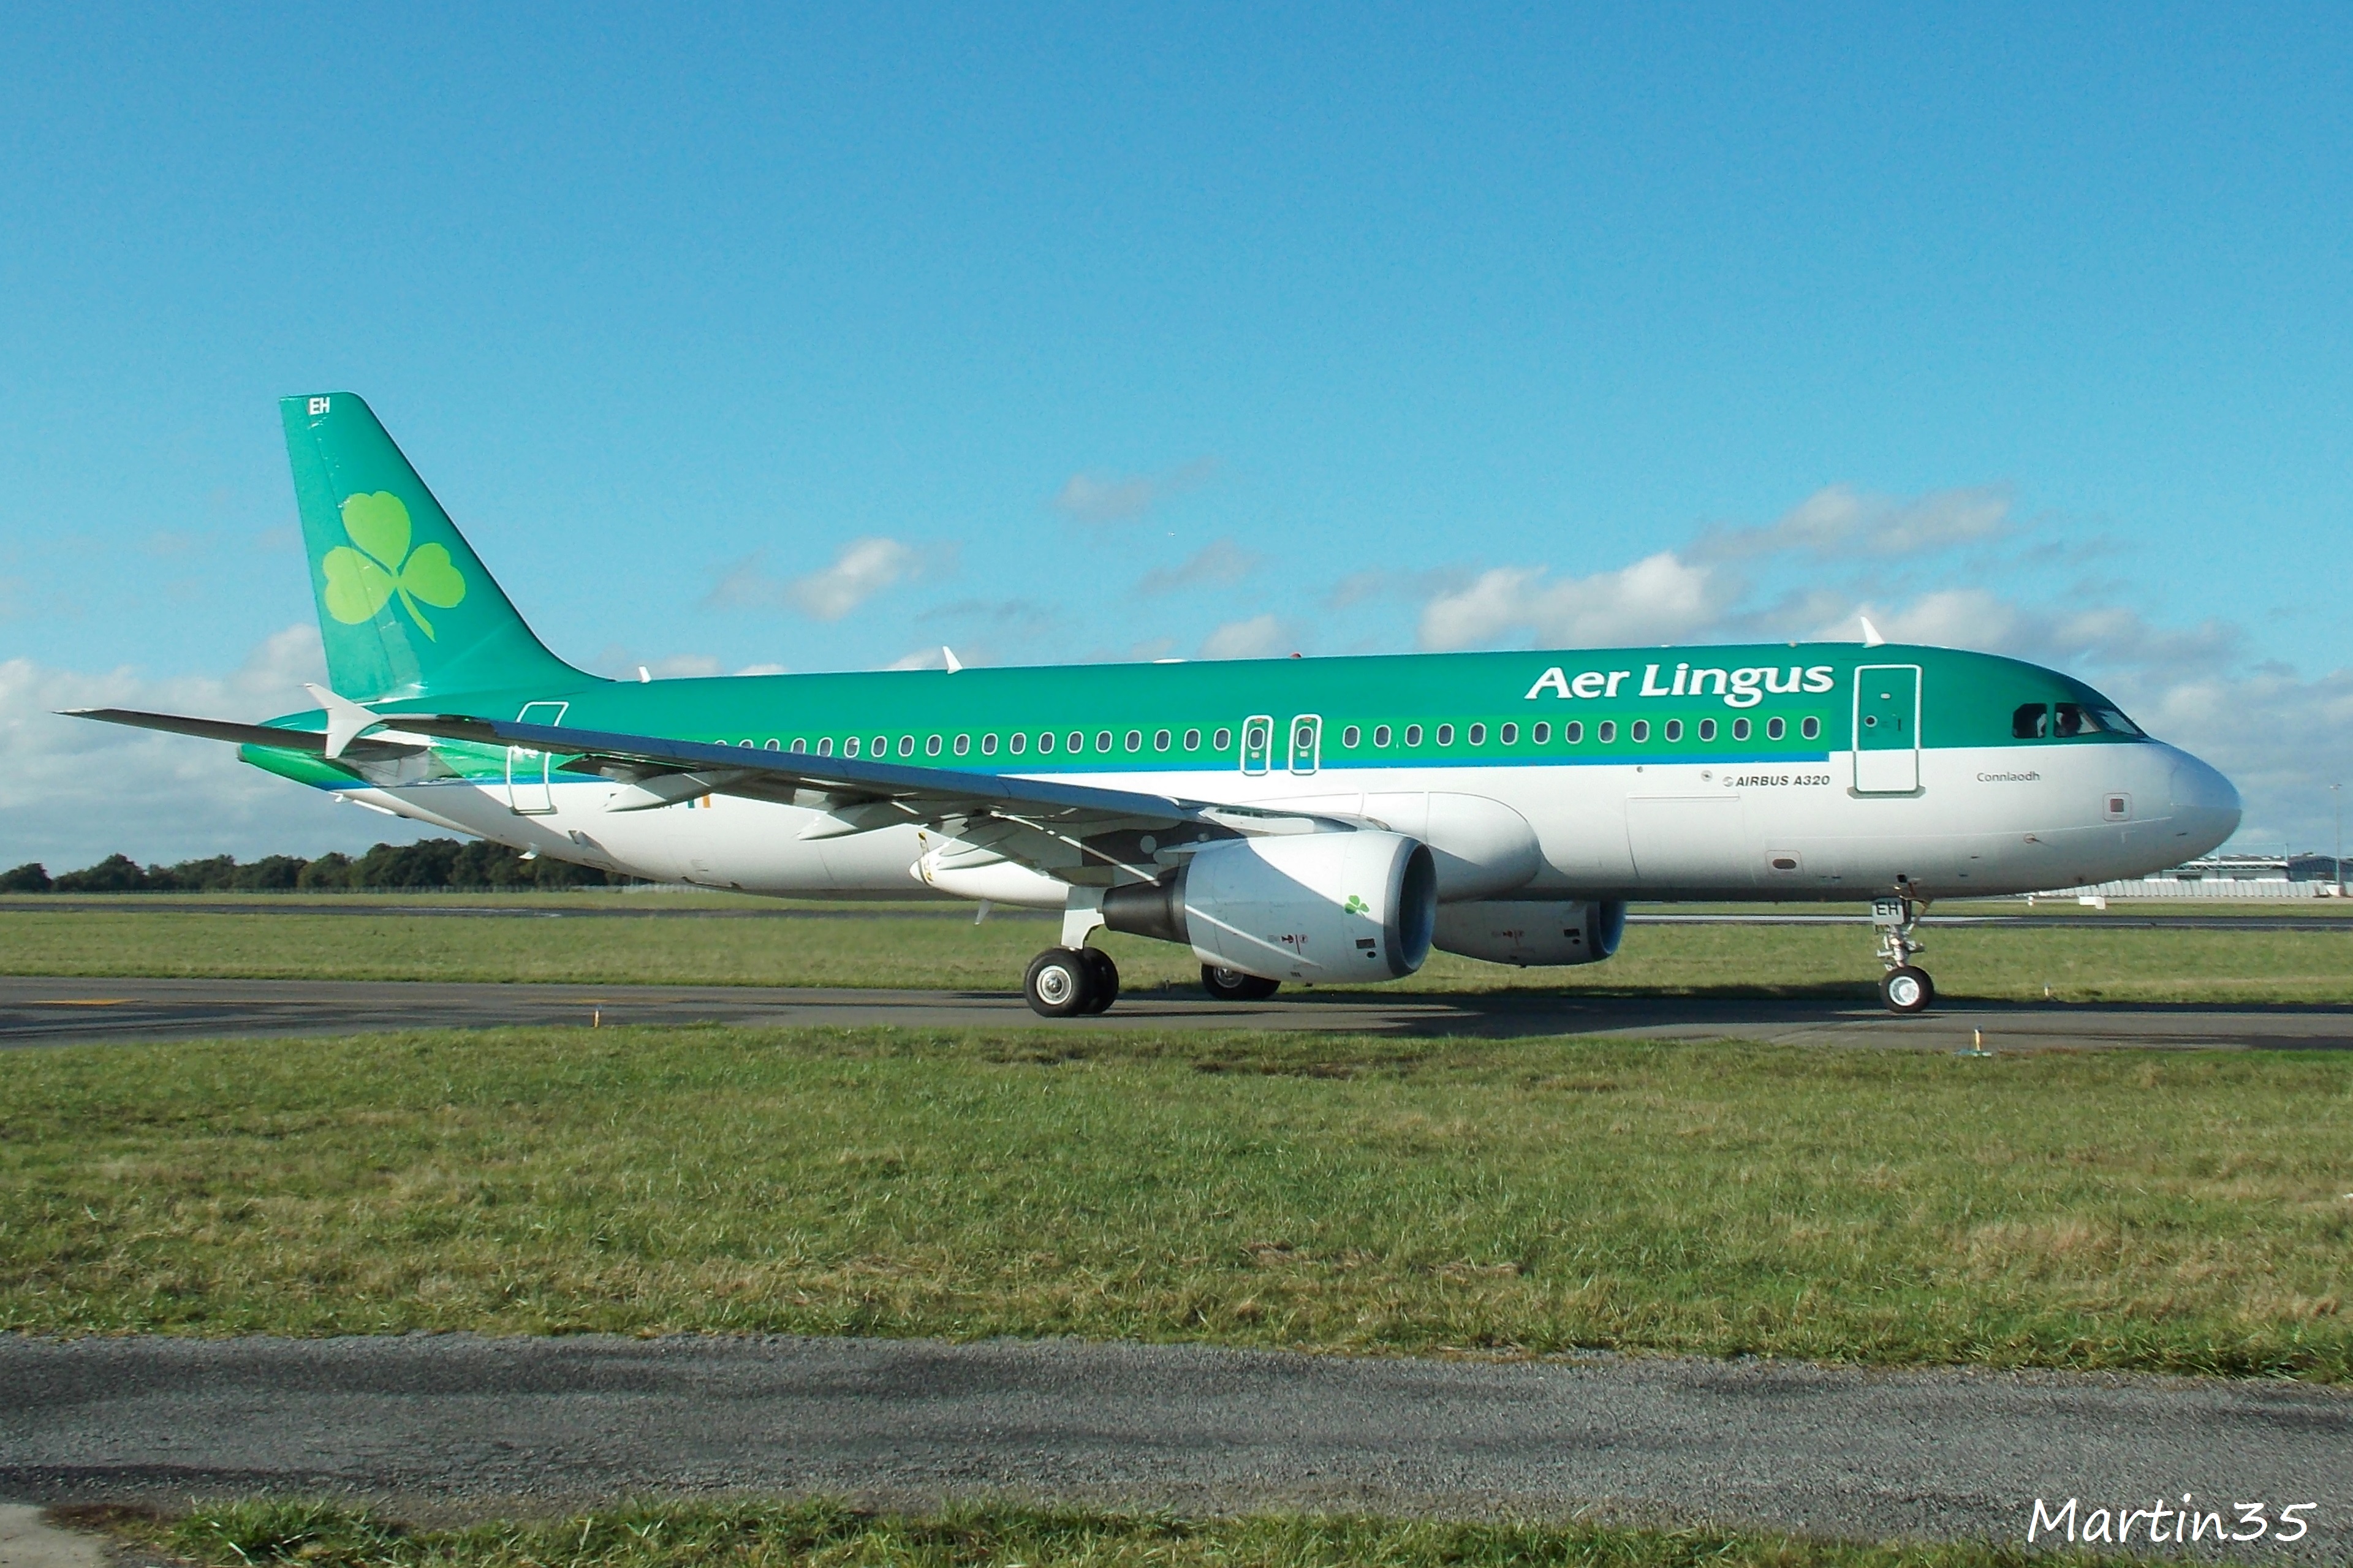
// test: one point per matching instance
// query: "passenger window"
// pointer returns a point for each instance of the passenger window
(772, 744)
(932, 747)
(825, 747)
(1223, 739)
(906, 745)
(1103, 740)
(1541, 734)
(1380, 735)
(1413, 734)
(849, 747)
(1076, 743)
(1775, 728)
(1478, 734)
(1446, 735)
(1674, 729)
(1192, 740)
(1642, 731)
(881, 746)
(1014, 742)
(1707, 729)
(1160, 739)
(989, 745)
(1573, 732)
(1136, 740)
(1811, 729)
(962, 744)
(1045, 741)
(2031, 721)
(1608, 732)
(1350, 736)
(1740, 729)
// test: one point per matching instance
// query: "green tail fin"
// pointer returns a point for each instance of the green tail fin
(405, 605)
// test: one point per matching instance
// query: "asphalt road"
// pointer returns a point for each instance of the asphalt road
(39, 1011)
(456, 1424)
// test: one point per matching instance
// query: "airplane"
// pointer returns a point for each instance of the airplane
(1323, 821)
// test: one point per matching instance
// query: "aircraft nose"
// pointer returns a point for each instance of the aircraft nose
(2205, 805)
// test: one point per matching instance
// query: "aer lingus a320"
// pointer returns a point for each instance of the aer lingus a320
(1320, 820)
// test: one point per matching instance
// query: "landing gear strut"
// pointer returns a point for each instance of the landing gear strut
(1905, 987)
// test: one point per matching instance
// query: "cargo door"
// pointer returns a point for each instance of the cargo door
(530, 792)
(1887, 728)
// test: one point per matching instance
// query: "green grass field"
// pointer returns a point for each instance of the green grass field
(905, 946)
(775, 1535)
(2188, 1213)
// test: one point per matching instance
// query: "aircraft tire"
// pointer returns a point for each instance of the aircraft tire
(1233, 986)
(1060, 984)
(1906, 990)
(1104, 977)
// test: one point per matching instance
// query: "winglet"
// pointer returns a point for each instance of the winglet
(346, 720)
(1870, 638)
(948, 653)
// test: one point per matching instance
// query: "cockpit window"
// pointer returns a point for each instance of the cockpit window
(2118, 723)
(2031, 721)
(2075, 719)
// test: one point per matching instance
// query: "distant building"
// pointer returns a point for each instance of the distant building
(2225, 876)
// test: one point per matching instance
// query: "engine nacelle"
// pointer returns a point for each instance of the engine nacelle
(1316, 906)
(1579, 931)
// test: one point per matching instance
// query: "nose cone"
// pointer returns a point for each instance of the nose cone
(2205, 806)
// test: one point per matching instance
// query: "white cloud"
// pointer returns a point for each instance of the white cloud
(1261, 637)
(1837, 521)
(1657, 599)
(75, 791)
(864, 568)
(1218, 564)
(1115, 497)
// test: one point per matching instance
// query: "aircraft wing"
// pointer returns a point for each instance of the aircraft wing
(1058, 826)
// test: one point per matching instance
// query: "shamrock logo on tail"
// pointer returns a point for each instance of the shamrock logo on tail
(360, 580)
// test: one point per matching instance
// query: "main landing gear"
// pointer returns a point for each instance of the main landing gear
(1233, 986)
(1064, 981)
(1905, 987)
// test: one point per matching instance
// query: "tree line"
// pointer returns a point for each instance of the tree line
(429, 864)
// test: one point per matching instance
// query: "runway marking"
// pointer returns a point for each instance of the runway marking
(82, 1001)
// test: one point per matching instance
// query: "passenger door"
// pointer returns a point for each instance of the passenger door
(1258, 743)
(1307, 742)
(530, 792)
(1886, 728)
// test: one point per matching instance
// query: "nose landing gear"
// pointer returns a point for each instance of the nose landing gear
(1905, 987)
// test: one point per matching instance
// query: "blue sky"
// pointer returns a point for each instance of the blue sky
(816, 341)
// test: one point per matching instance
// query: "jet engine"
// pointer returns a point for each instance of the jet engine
(1501, 931)
(1315, 907)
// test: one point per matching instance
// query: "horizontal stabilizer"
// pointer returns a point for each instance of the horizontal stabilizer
(238, 734)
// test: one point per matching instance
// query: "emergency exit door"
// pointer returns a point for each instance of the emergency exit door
(530, 791)
(1887, 728)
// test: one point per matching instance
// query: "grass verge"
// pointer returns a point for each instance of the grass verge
(756, 1535)
(2183, 1213)
(861, 946)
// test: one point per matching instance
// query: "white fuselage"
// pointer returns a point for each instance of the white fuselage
(1986, 821)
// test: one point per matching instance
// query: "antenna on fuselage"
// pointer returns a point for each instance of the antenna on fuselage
(948, 653)
(1870, 638)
